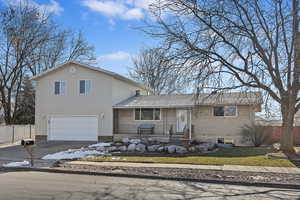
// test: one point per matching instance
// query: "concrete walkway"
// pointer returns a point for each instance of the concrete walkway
(290, 170)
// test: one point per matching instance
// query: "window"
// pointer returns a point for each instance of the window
(225, 111)
(225, 141)
(84, 87)
(147, 114)
(59, 88)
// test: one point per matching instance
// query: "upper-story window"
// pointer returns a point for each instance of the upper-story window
(59, 88)
(225, 111)
(84, 87)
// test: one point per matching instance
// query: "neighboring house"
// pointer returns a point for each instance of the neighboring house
(80, 102)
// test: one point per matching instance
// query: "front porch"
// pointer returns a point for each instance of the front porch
(169, 123)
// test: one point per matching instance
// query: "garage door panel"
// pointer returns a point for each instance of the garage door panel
(80, 128)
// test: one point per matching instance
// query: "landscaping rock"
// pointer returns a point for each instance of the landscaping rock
(135, 141)
(202, 147)
(140, 147)
(118, 144)
(161, 149)
(211, 146)
(112, 148)
(192, 149)
(101, 148)
(153, 148)
(180, 149)
(125, 140)
(171, 149)
(131, 147)
(122, 148)
(144, 140)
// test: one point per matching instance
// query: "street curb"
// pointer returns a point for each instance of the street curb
(237, 183)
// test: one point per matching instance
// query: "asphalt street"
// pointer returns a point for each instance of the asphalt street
(55, 186)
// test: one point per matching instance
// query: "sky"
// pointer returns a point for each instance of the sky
(108, 25)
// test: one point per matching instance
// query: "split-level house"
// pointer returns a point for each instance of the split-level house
(77, 102)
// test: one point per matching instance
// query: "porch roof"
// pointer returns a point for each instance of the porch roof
(191, 100)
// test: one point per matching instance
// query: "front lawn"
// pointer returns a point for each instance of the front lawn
(248, 156)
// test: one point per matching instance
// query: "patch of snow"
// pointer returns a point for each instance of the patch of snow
(101, 144)
(80, 153)
(135, 141)
(17, 164)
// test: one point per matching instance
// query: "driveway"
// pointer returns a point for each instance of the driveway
(18, 153)
(42, 186)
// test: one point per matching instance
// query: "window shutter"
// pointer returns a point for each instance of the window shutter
(88, 86)
(62, 87)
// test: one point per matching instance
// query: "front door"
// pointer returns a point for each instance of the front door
(181, 116)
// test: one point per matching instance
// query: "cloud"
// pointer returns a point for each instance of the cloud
(52, 8)
(115, 56)
(135, 13)
(123, 9)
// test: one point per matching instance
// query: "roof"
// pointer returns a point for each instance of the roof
(190, 100)
(97, 69)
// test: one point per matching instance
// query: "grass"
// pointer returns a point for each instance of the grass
(247, 156)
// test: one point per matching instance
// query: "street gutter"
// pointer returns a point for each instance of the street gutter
(94, 173)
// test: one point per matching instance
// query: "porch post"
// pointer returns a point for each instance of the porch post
(190, 126)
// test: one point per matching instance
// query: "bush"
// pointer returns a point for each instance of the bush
(257, 135)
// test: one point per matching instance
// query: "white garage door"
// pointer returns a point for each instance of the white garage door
(73, 128)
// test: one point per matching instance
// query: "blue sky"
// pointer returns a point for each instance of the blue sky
(107, 25)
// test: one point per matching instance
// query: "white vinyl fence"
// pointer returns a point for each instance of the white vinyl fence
(14, 133)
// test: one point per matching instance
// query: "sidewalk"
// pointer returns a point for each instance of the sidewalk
(289, 170)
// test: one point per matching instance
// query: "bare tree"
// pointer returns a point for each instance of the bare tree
(22, 30)
(64, 46)
(237, 44)
(30, 42)
(154, 68)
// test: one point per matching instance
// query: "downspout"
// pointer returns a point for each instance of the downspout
(190, 126)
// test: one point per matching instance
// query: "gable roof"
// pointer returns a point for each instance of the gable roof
(97, 69)
(190, 100)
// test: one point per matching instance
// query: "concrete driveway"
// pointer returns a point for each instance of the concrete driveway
(18, 153)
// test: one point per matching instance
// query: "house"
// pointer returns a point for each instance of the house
(79, 102)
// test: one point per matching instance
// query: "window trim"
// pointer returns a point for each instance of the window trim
(225, 116)
(60, 87)
(153, 120)
(85, 93)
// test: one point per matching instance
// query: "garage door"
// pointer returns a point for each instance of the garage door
(73, 128)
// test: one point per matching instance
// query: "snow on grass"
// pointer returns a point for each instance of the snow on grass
(101, 144)
(17, 164)
(72, 154)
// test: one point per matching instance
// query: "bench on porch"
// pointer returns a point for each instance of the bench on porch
(146, 129)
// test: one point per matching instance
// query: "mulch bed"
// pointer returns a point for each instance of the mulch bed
(213, 175)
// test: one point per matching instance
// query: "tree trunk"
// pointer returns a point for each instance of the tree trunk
(287, 137)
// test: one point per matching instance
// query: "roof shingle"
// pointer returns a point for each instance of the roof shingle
(190, 100)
